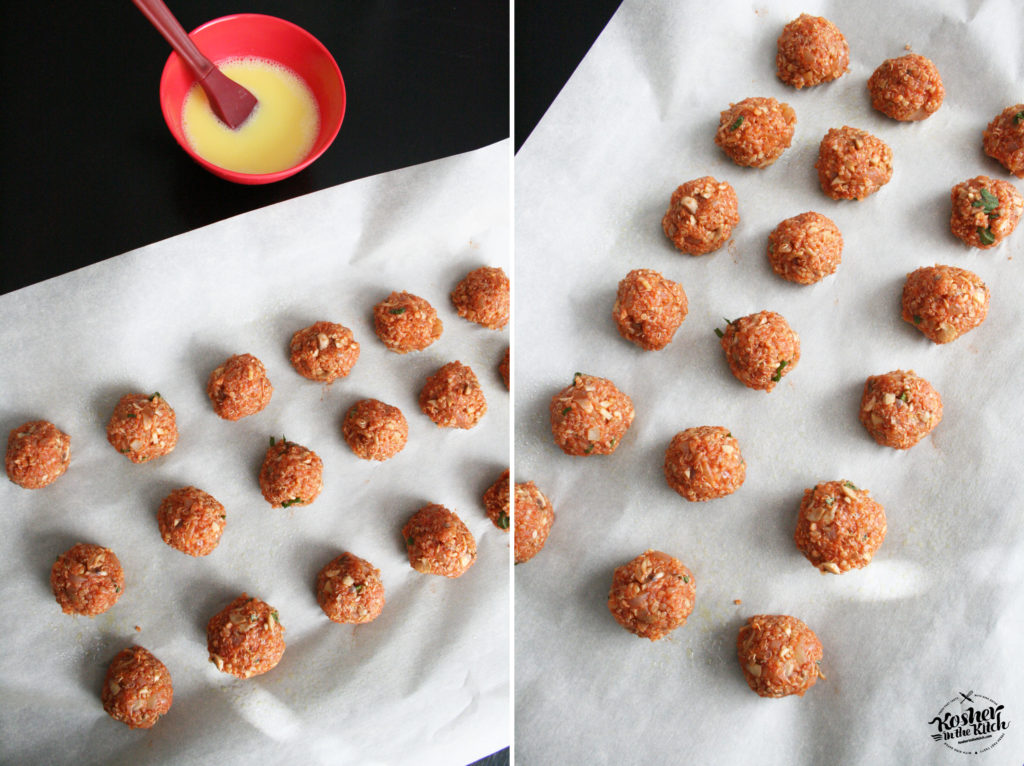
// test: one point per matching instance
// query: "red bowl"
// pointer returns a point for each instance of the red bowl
(253, 34)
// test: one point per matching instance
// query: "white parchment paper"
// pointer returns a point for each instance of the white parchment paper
(940, 610)
(428, 681)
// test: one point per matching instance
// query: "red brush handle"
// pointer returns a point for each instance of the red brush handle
(160, 16)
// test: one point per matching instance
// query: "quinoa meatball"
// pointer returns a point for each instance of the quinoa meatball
(239, 387)
(142, 427)
(324, 351)
(944, 302)
(349, 590)
(405, 322)
(87, 579)
(652, 595)
(704, 463)
(805, 248)
(503, 367)
(291, 474)
(761, 349)
(452, 397)
(756, 131)
(907, 89)
(245, 638)
(701, 215)
(496, 502)
(533, 520)
(374, 430)
(778, 654)
(811, 50)
(38, 454)
(590, 416)
(438, 542)
(191, 521)
(1003, 139)
(137, 689)
(899, 408)
(483, 297)
(852, 163)
(985, 211)
(649, 309)
(839, 526)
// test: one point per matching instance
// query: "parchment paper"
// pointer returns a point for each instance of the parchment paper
(940, 609)
(428, 681)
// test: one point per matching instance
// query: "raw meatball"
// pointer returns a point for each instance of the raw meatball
(985, 211)
(839, 527)
(812, 50)
(590, 417)
(533, 520)
(374, 430)
(349, 590)
(137, 689)
(239, 387)
(503, 367)
(652, 595)
(701, 215)
(944, 302)
(87, 579)
(405, 322)
(704, 463)
(806, 248)
(852, 163)
(191, 521)
(324, 351)
(452, 397)
(483, 297)
(1004, 139)
(245, 638)
(291, 474)
(899, 408)
(908, 88)
(142, 427)
(38, 453)
(756, 131)
(779, 655)
(496, 501)
(649, 309)
(761, 349)
(438, 543)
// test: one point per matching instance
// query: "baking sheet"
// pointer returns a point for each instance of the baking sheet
(426, 682)
(940, 610)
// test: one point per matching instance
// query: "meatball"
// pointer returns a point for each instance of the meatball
(839, 527)
(944, 302)
(245, 638)
(324, 351)
(483, 297)
(908, 88)
(239, 387)
(142, 427)
(349, 590)
(503, 367)
(496, 501)
(649, 309)
(590, 416)
(87, 579)
(701, 215)
(704, 463)
(899, 408)
(756, 131)
(438, 542)
(805, 248)
(533, 520)
(1003, 139)
(191, 521)
(985, 211)
(137, 689)
(852, 163)
(811, 50)
(761, 349)
(452, 397)
(778, 654)
(38, 454)
(405, 322)
(652, 595)
(291, 474)
(374, 430)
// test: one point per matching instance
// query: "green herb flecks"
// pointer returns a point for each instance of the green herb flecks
(1018, 118)
(918, 319)
(275, 616)
(719, 332)
(117, 589)
(155, 396)
(686, 579)
(409, 541)
(359, 587)
(985, 236)
(293, 501)
(503, 521)
(396, 311)
(576, 377)
(989, 202)
(589, 449)
(565, 411)
(778, 371)
(904, 397)
(736, 123)
(830, 501)
(253, 616)
(851, 485)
